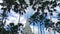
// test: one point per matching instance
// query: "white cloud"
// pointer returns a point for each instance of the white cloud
(54, 20)
(58, 9)
(1, 1)
(27, 1)
(45, 10)
(12, 17)
(1, 6)
(55, 14)
(23, 21)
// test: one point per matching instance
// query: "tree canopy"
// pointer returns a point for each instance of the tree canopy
(19, 6)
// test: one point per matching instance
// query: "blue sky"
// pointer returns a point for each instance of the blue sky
(13, 17)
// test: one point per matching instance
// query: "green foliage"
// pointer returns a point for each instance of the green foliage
(57, 28)
(58, 15)
(41, 17)
(18, 7)
(31, 2)
(43, 5)
(35, 15)
(22, 1)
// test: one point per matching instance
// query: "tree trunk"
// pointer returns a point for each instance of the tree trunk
(40, 29)
(33, 27)
(19, 19)
(49, 31)
(27, 29)
(54, 32)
